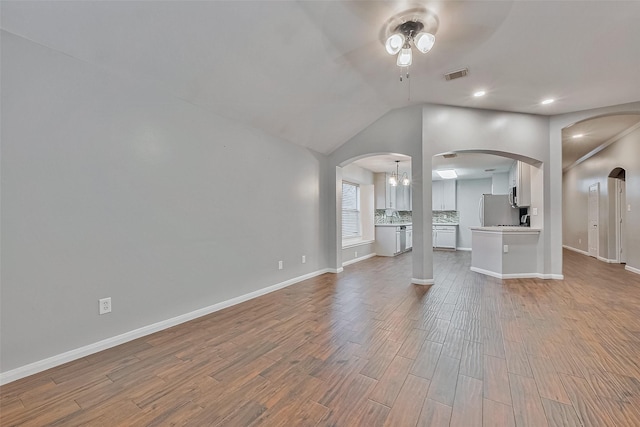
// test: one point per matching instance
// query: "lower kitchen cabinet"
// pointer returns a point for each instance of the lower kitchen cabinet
(444, 236)
(393, 240)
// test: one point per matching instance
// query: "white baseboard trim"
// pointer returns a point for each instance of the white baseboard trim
(518, 275)
(422, 281)
(68, 356)
(580, 251)
(551, 276)
(607, 260)
(464, 249)
(362, 258)
(335, 270)
(632, 269)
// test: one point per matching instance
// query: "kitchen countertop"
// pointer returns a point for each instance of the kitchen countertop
(498, 229)
(446, 223)
(395, 224)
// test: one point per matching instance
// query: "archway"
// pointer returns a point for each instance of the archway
(599, 150)
(363, 183)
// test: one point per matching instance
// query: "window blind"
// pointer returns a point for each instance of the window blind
(350, 210)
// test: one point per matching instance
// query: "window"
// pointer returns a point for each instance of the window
(350, 210)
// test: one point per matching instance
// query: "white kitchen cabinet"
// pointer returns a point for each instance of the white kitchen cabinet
(384, 192)
(393, 240)
(387, 241)
(389, 197)
(443, 195)
(520, 179)
(444, 237)
(403, 197)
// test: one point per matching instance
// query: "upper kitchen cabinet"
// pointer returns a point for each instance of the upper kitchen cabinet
(403, 197)
(389, 196)
(520, 183)
(443, 195)
(385, 193)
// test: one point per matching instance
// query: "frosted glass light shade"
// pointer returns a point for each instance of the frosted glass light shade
(404, 57)
(394, 43)
(424, 42)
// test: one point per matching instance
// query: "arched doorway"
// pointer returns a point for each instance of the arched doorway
(618, 206)
(600, 152)
(373, 190)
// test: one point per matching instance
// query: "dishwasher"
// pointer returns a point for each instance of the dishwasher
(401, 239)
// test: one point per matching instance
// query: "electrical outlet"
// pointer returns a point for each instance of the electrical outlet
(579, 240)
(105, 305)
(304, 259)
(535, 212)
(280, 266)
(355, 254)
(506, 249)
(629, 208)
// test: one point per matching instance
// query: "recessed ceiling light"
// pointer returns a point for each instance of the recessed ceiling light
(547, 101)
(578, 135)
(447, 174)
(479, 93)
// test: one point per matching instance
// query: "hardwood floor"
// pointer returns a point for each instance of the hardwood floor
(366, 348)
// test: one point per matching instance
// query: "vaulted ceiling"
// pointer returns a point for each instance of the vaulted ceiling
(315, 72)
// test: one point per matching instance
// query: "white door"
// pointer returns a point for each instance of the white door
(621, 209)
(594, 195)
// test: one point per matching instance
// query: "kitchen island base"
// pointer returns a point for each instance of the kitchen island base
(505, 252)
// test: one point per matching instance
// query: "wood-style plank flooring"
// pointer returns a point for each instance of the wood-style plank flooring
(366, 348)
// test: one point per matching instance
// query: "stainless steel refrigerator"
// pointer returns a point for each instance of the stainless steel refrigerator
(495, 209)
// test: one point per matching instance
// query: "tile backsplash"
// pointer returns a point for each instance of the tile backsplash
(390, 216)
(445, 217)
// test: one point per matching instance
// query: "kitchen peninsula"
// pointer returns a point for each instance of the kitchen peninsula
(505, 252)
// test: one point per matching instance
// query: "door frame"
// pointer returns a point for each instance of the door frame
(620, 201)
(596, 218)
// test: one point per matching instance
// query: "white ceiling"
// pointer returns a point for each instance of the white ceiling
(385, 163)
(466, 165)
(315, 73)
(597, 134)
(471, 165)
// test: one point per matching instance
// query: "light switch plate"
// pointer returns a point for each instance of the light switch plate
(535, 212)
(629, 208)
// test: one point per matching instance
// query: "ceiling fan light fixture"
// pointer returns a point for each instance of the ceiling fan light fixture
(405, 57)
(415, 27)
(394, 43)
(424, 41)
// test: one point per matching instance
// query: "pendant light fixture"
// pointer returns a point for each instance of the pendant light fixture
(415, 26)
(396, 178)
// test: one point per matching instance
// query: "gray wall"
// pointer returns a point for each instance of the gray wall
(349, 254)
(520, 136)
(468, 196)
(557, 123)
(624, 153)
(112, 189)
(399, 131)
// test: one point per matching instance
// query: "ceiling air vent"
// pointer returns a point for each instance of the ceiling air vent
(456, 74)
(450, 155)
